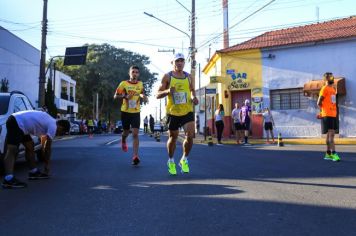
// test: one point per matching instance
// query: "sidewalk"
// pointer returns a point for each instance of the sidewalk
(296, 141)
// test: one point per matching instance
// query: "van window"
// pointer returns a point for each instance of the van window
(28, 104)
(19, 105)
(4, 104)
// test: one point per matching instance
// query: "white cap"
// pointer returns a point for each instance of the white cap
(247, 101)
(178, 56)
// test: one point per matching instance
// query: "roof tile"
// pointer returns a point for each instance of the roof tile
(329, 30)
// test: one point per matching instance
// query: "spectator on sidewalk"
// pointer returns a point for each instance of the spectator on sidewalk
(219, 122)
(145, 125)
(268, 124)
(328, 111)
(235, 115)
(152, 124)
(245, 115)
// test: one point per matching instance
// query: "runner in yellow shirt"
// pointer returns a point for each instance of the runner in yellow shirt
(177, 85)
(327, 103)
(131, 91)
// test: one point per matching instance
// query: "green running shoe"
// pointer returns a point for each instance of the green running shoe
(184, 165)
(172, 168)
(335, 157)
(328, 157)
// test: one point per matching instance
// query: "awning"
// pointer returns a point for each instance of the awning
(313, 87)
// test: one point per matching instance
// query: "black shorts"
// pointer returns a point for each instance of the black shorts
(175, 122)
(268, 126)
(132, 120)
(238, 126)
(15, 135)
(328, 123)
(246, 125)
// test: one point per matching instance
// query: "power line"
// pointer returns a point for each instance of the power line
(208, 41)
(116, 41)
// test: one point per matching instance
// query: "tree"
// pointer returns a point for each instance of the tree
(105, 68)
(4, 85)
(49, 99)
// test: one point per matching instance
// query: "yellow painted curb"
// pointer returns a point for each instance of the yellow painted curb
(342, 141)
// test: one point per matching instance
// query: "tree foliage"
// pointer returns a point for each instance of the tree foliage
(49, 99)
(4, 85)
(105, 68)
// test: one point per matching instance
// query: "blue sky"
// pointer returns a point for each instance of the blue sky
(123, 24)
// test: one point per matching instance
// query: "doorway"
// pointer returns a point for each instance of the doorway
(240, 97)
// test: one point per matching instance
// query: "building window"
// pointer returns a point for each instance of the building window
(286, 99)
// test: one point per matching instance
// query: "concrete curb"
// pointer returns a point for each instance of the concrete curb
(295, 141)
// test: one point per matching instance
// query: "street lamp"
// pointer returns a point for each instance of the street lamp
(191, 38)
(150, 15)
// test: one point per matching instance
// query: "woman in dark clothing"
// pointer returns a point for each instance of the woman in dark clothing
(219, 122)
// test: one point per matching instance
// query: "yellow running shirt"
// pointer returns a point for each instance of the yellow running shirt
(179, 103)
(131, 105)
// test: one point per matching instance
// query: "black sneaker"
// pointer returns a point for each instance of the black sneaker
(135, 160)
(37, 175)
(13, 183)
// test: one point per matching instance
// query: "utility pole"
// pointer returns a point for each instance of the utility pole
(160, 109)
(42, 78)
(226, 23)
(192, 45)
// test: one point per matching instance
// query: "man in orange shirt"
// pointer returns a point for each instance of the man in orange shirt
(328, 112)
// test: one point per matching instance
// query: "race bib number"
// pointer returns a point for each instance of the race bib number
(333, 99)
(180, 98)
(132, 104)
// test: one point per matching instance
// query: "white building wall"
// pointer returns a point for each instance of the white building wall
(293, 67)
(19, 63)
(63, 103)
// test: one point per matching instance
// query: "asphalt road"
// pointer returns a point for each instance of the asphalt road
(231, 190)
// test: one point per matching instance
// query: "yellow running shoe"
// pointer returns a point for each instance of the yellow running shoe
(184, 165)
(172, 168)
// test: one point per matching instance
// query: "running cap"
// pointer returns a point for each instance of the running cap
(247, 101)
(178, 56)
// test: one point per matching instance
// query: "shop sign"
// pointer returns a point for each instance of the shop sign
(238, 84)
(210, 91)
(239, 80)
(230, 72)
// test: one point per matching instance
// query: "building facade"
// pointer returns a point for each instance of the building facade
(277, 70)
(64, 88)
(19, 64)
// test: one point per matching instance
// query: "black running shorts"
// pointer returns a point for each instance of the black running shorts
(175, 122)
(246, 125)
(268, 126)
(238, 126)
(132, 120)
(328, 123)
(15, 135)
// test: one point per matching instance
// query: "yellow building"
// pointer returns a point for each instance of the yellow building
(238, 76)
